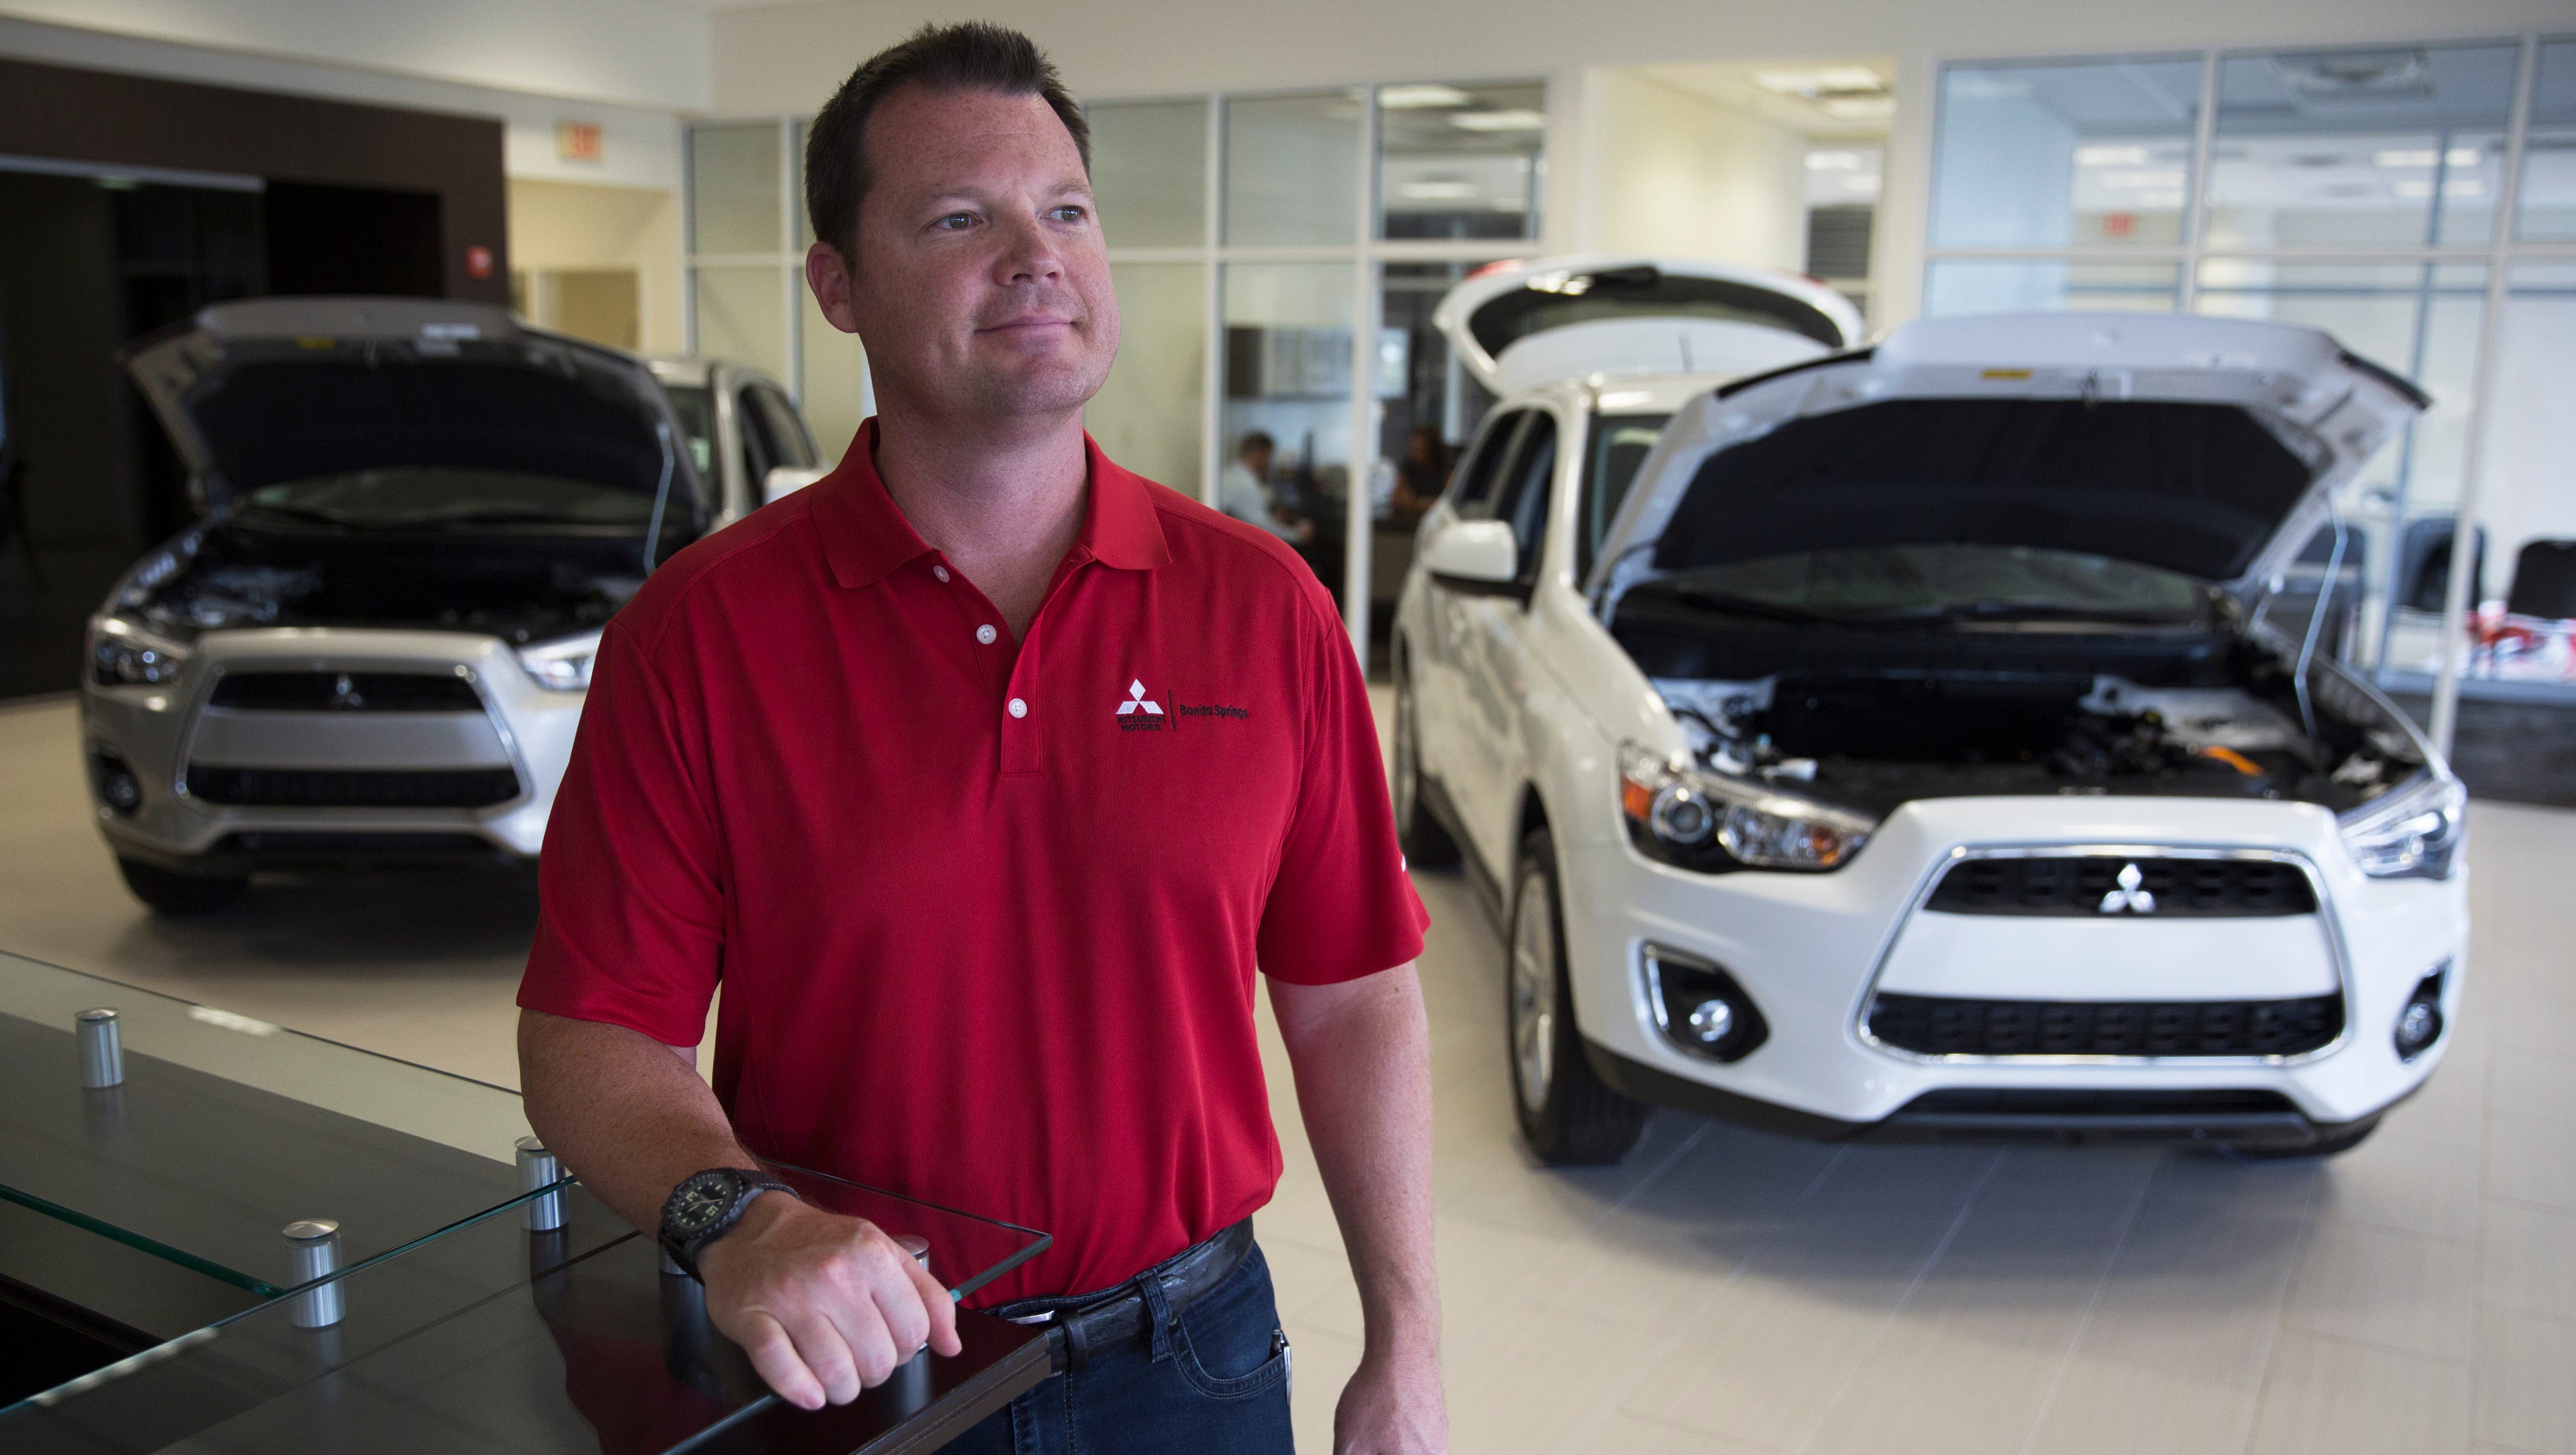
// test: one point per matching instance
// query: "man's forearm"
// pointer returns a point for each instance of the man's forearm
(1361, 1053)
(627, 1114)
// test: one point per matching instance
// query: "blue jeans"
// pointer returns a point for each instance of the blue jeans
(1214, 1378)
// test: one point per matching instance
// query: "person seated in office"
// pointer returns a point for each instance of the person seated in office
(1243, 491)
(1419, 480)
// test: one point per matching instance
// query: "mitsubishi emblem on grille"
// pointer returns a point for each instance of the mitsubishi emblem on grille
(345, 695)
(2129, 896)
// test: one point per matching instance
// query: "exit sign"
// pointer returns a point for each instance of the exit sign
(577, 141)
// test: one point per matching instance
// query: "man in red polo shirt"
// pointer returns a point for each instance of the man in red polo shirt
(984, 774)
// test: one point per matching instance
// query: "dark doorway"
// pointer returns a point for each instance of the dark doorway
(371, 240)
(88, 481)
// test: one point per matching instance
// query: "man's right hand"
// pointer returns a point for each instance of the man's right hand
(825, 1305)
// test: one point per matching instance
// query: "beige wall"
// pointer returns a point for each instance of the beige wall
(1665, 171)
(568, 225)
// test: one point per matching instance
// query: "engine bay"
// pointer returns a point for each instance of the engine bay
(1874, 737)
(520, 587)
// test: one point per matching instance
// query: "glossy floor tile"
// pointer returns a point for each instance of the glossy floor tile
(1723, 1290)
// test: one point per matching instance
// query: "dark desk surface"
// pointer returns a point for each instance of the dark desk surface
(460, 1330)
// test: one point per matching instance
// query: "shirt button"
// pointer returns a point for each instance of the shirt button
(939, 571)
(985, 635)
(1019, 708)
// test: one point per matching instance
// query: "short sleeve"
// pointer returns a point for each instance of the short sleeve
(1341, 906)
(631, 898)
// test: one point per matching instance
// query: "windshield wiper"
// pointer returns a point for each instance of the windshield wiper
(1752, 606)
(2032, 611)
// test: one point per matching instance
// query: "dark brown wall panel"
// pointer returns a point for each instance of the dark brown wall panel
(141, 121)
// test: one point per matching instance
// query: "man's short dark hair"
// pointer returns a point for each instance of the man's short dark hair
(974, 56)
(1256, 440)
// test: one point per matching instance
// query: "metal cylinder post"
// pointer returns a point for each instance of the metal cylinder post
(538, 1168)
(102, 1049)
(313, 1251)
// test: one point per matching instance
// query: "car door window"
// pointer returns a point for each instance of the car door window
(787, 431)
(760, 450)
(1620, 444)
(1521, 497)
(1471, 490)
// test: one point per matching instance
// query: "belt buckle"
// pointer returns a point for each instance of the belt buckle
(1043, 1316)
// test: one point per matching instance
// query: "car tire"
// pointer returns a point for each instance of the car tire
(2340, 1142)
(169, 892)
(1568, 1117)
(1426, 844)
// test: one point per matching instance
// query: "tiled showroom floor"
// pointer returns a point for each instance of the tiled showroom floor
(1724, 1290)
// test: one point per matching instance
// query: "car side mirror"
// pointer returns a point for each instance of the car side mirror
(1474, 552)
(786, 480)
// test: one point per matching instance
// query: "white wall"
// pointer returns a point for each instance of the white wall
(648, 53)
(640, 145)
(1663, 170)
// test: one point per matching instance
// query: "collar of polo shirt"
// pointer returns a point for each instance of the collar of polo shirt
(865, 536)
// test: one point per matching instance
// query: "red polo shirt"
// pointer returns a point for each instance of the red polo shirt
(986, 912)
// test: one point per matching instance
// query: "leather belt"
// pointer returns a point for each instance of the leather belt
(1081, 1323)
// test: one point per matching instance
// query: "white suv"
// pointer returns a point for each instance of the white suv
(1896, 742)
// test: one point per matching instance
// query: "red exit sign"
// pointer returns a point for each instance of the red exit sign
(577, 141)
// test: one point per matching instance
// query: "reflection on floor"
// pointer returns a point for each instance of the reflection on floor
(1724, 1290)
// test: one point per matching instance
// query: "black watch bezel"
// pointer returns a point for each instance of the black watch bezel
(683, 1243)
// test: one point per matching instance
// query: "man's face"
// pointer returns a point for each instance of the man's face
(1257, 460)
(981, 285)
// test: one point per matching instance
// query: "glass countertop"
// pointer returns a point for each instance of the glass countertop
(226, 1129)
(494, 1337)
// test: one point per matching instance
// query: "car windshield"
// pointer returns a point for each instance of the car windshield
(697, 411)
(432, 498)
(1944, 583)
(1620, 443)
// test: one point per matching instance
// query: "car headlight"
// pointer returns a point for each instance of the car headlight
(2410, 832)
(1713, 822)
(562, 665)
(124, 653)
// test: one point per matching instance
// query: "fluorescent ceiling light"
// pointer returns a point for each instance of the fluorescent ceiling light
(1833, 161)
(2458, 157)
(1439, 191)
(1820, 79)
(2110, 156)
(1499, 121)
(1413, 98)
(1623, 398)
(2417, 191)
(2160, 179)
(1857, 108)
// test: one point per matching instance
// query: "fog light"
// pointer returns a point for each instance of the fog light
(1710, 1020)
(117, 786)
(1700, 1008)
(2419, 1025)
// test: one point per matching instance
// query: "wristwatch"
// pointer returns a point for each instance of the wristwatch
(705, 1207)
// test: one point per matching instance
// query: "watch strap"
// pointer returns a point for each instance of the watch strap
(748, 1186)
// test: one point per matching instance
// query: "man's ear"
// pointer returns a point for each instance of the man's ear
(830, 276)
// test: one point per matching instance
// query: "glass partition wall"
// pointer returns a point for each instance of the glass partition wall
(2416, 201)
(1277, 257)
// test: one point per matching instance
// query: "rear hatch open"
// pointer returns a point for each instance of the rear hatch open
(1521, 324)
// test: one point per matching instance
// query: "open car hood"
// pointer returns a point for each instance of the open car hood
(1519, 324)
(2199, 445)
(276, 389)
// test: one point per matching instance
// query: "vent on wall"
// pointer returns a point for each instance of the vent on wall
(1838, 242)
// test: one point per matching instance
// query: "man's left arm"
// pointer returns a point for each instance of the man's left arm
(1361, 1051)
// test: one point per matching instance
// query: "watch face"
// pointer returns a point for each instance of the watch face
(701, 1201)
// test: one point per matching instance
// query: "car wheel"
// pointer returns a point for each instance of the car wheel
(1567, 1115)
(1426, 844)
(173, 893)
(2343, 1141)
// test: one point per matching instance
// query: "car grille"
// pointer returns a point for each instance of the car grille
(1968, 1101)
(1933, 1025)
(369, 788)
(257, 691)
(2095, 884)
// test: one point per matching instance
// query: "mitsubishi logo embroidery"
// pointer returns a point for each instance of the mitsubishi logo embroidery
(2129, 896)
(1137, 701)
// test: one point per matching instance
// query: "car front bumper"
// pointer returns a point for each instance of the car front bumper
(1811, 951)
(160, 732)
